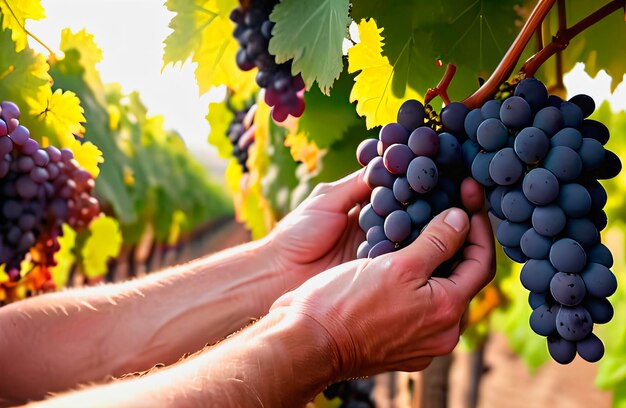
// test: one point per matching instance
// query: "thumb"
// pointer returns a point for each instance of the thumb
(439, 241)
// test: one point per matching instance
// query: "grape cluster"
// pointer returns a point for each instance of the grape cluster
(40, 190)
(253, 32)
(414, 175)
(353, 393)
(540, 159)
(241, 134)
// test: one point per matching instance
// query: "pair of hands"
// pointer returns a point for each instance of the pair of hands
(387, 313)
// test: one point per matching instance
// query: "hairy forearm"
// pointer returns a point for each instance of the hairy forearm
(280, 361)
(79, 336)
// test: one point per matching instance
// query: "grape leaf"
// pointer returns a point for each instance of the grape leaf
(326, 119)
(372, 87)
(90, 55)
(87, 155)
(422, 36)
(219, 118)
(65, 257)
(203, 31)
(303, 150)
(596, 46)
(103, 243)
(58, 116)
(14, 14)
(311, 33)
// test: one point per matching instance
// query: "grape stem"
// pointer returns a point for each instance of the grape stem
(441, 89)
(564, 36)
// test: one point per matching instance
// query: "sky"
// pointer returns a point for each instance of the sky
(131, 34)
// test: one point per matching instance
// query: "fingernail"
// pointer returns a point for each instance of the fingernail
(456, 219)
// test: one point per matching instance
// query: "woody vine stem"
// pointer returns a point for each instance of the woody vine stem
(559, 42)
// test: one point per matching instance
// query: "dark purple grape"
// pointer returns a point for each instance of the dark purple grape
(368, 218)
(11, 209)
(9, 110)
(420, 212)
(543, 320)
(540, 186)
(600, 254)
(592, 153)
(561, 350)
(567, 288)
(25, 164)
(473, 119)
(393, 133)
(611, 166)
(492, 135)
(600, 309)
(30, 147)
(449, 149)
(515, 112)
(590, 348)
(397, 158)
(453, 117)
(480, 169)
(516, 207)
(568, 137)
(548, 220)
(424, 141)
(411, 114)
(574, 200)
(382, 248)
(536, 299)
(366, 151)
(533, 91)
(585, 103)
(491, 109)
(41, 158)
(599, 280)
(572, 115)
(470, 150)
(383, 201)
(595, 130)
(583, 231)
(509, 233)
(397, 226)
(567, 255)
(549, 119)
(402, 190)
(505, 168)
(531, 145)
(6, 146)
(422, 174)
(377, 175)
(536, 275)
(573, 323)
(26, 187)
(495, 200)
(363, 250)
(375, 235)
(535, 245)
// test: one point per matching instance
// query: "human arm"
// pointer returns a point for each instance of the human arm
(359, 318)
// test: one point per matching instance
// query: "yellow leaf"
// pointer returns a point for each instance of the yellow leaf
(219, 118)
(303, 151)
(179, 220)
(372, 87)
(87, 155)
(58, 115)
(104, 242)
(65, 257)
(4, 277)
(202, 30)
(90, 55)
(14, 14)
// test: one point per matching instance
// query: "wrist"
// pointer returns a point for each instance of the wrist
(283, 360)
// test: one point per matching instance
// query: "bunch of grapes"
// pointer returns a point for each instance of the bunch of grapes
(241, 134)
(40, 190)
(253, 32)
(540, 160)
(353, 393)
(414, 175)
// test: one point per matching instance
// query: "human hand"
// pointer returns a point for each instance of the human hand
(322, 232)
(388, 313)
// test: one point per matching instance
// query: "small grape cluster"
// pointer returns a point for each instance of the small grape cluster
(540, 159)
(353, 393)
(241, 134)
(253, 32)
(41, 189)
(414, 175)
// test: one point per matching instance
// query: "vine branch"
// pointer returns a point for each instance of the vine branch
(441, 89)
(563, 37)
(506, 66)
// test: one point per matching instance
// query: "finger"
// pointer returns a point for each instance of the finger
(478, 265)
(342, 195)
(438, 242)
(472, 195)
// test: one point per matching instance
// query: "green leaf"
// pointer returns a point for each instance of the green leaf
(311, 32)
(601, 45)
(473, 35)
(326, 119)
